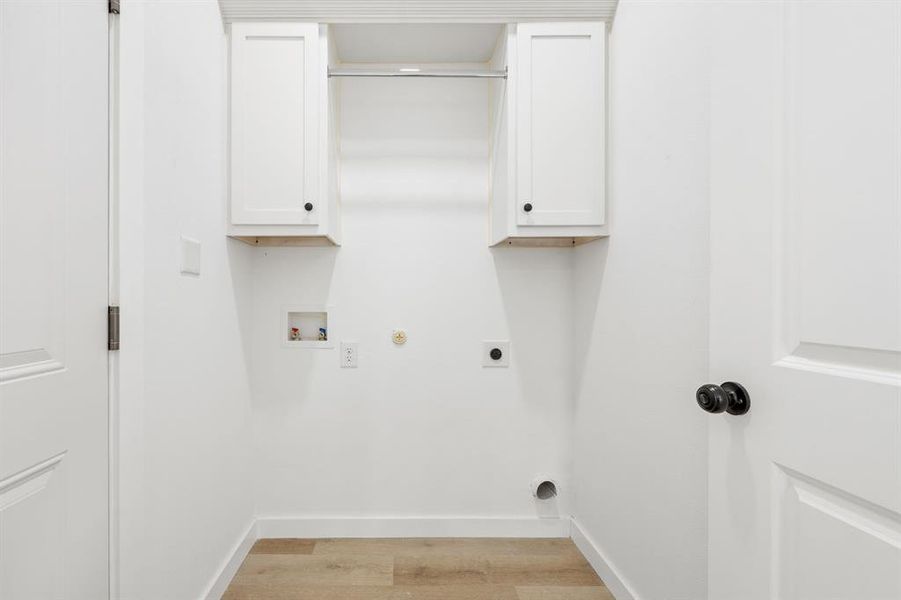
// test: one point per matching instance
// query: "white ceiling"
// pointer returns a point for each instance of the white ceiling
(416, 43)
(416, 11)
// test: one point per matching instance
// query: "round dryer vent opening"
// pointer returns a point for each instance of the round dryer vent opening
(544, 489)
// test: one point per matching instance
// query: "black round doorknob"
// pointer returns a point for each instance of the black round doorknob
(308, 206)
(495, 354)
(527, 207)
(731, 397)
(711, 398)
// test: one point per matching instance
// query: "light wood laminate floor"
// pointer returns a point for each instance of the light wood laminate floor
(416, 569)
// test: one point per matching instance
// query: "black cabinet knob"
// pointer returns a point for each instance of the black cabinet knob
(308, 206)
(527, 207)
(495, 354)
(731, 397)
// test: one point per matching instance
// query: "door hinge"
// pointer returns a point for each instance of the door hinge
(114, 7)
(112, 328)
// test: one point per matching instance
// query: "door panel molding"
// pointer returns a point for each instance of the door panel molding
(29, 363)
(33, 525)
(27, 482)
(795, 493)
(831, 318)
(866, 364)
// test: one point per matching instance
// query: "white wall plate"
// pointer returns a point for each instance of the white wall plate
(490, 351)
(190, 256)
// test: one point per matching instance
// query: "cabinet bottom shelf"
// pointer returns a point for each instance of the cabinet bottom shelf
(546, 242)
(276, 240)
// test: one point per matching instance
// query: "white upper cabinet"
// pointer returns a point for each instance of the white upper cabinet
(547, 83)
(278, 120)
(274, 130)
(560, 123)
(549, 144)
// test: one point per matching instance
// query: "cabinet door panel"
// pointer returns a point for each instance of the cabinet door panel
(274, 125)
(560, 123)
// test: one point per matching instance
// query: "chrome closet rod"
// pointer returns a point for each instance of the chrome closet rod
(417, 73)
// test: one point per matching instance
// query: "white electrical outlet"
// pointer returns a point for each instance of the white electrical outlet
(348, 355)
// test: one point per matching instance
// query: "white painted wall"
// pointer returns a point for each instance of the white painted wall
(420, 430)
(641, 311)
(185, 395)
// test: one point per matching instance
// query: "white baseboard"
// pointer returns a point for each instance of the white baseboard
(219, 584)
(338, 527)
(606, 570)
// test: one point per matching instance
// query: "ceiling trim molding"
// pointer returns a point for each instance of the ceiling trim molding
(417, 11)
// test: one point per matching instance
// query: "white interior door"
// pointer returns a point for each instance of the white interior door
(53, 296)
(805, 490)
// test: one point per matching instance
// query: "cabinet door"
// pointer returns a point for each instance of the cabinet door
(274, 124)
(560, 123)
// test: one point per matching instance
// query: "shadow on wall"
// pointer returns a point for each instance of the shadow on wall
(305, 280)
(239, 258)
(536, 293)
(531, 282)
(590, 264)
(738, 474)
